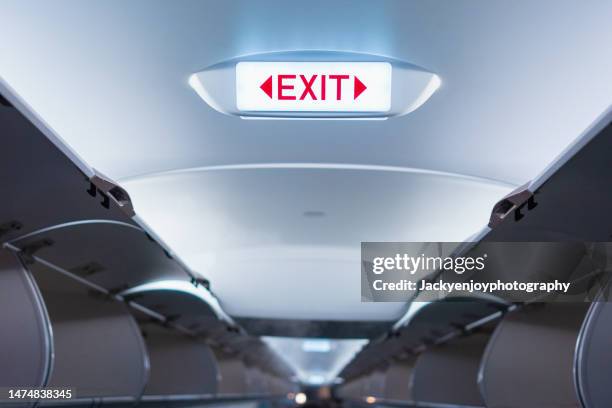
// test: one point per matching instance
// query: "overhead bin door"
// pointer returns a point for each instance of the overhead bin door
(98, 348)
(25, 343)
(529, 360)
(180, 365)
(448, 374)
(593, 358)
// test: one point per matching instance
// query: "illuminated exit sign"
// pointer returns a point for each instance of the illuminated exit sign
(313, 86)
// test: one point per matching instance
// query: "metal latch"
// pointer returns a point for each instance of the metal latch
(513, 203)
(109, 189)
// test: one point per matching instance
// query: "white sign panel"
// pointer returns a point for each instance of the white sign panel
(313, 86)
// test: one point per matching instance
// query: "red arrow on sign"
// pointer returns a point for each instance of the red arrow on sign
(267, 86)
(359, 87)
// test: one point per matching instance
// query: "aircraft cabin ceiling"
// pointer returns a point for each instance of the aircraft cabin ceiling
(273, 211)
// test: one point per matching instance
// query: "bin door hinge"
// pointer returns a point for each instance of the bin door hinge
(515, 203)
(110, 190)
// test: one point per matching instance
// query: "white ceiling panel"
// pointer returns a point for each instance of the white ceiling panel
(283, 241)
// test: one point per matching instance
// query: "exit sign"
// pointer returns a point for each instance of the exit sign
(313, 86)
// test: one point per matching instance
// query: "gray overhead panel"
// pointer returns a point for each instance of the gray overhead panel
(397, 382)
(593, 360)
(232, 374)
(570, 201)
(434, 323)
(448, 374)
(26, 332)
(557, 226)
(61, 208)
(187, 309)
(583, 265)
(250, 349)
(113, 255)
(179, 365)
(181, 308)
(529, 345)
(86, 357)
(64, 218)
(49, 185)
(453, 315)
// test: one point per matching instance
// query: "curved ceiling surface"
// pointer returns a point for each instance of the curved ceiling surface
(111, 79)
(273, 238)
